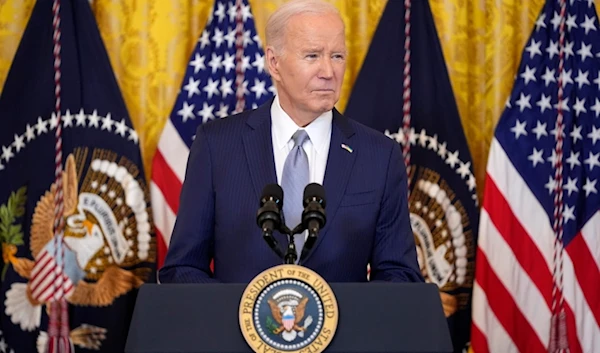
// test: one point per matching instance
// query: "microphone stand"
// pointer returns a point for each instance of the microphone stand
(270, 239)
(291, 254)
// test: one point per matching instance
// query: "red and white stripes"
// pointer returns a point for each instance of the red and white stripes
(48, 281)
(168, 173)
(513, 291)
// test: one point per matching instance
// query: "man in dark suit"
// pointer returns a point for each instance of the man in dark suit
(296, 138)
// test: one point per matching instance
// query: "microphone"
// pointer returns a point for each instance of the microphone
(313, 216)
(268, 217)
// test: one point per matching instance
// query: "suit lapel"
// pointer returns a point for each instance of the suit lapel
(259, 149)
(339, 167)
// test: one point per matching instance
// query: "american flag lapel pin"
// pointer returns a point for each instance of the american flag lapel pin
(346, 147)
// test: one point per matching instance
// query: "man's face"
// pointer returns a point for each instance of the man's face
(310, 72)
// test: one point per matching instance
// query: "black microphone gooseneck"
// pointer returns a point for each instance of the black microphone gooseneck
(291, 254)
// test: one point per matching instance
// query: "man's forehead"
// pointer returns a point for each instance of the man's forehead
(319, 28)
(315, 19)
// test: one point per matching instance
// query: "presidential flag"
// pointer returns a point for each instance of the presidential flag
(75, 219)
(538, 257)
(225, 75)
(404, 91)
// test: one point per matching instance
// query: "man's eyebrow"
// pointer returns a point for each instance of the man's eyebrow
(312, 49)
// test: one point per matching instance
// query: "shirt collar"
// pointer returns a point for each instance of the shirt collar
(284, 127)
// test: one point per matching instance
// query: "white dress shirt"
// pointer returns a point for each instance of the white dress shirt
(316, 146)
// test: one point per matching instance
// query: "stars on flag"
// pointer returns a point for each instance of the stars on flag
(533, 108)
(220, 74)
(68, 120)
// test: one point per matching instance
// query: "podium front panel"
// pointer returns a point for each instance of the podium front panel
(376, 317)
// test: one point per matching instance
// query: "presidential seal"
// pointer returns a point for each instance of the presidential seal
(288, 308)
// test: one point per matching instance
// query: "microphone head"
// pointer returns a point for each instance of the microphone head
(314, 191)
(274, 192)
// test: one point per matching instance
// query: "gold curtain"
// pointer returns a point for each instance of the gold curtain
(149, 43)
(13, 18)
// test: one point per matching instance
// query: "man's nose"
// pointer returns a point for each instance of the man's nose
(326, 68)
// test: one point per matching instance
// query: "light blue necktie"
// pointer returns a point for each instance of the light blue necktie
(293, 181)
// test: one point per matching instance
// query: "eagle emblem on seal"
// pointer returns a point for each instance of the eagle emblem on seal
(286, 317)
(288, 310)
(106, 240)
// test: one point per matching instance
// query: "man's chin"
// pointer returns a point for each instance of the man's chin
(325, 104)
(323, 108)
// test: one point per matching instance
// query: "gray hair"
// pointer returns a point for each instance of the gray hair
(276, 25)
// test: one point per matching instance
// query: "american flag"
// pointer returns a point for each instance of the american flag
(225, 75)
(538, 258)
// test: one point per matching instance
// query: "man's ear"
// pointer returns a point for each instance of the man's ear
(272, 62)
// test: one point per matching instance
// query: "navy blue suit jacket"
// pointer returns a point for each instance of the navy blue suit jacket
(230, 162)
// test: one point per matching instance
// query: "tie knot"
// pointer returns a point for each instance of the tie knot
(300, 137)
